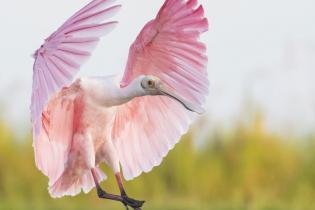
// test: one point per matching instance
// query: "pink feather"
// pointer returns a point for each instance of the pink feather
(55, 125)
(63, 53)
(168, 47)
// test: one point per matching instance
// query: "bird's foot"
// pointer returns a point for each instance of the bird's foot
(135, 204)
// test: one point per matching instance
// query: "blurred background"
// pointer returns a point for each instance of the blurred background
(255, 147)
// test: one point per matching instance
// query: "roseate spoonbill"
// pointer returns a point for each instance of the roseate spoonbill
(130, 122)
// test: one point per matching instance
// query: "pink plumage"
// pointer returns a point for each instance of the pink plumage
(168, 48)
(131, 122)
(60, 57)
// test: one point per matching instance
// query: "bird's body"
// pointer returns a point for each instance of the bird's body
(92, 103)
(128, 122)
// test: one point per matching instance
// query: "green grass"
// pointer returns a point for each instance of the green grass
(244, 169)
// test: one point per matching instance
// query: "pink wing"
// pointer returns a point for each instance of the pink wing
(146, 128)
(60, 139)
(62, 54)
(52, 146)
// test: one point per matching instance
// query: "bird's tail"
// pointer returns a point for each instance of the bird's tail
(72, 185)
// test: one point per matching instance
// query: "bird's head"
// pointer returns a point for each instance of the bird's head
(153, 85)
(150, 85)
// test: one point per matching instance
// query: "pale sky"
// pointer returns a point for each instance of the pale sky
(259, 51)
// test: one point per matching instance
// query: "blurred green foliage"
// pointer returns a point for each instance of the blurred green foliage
(247, 168)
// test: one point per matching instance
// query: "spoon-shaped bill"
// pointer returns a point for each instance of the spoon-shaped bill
(188, 105)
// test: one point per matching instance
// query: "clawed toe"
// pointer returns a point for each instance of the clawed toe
(136, 204)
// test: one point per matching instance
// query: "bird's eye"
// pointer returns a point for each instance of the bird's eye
(150, 83)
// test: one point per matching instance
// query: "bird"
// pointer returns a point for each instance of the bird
(128, 122)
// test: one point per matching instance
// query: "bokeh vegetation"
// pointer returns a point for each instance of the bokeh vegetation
(245, 168)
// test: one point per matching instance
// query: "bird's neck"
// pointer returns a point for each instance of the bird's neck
(106, 91)
(126, 94)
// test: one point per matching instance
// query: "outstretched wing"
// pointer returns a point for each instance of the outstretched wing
(53, 144)
(168, 47)
(60, 57)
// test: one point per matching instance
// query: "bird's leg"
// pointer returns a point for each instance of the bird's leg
(101, 193)
(135, 204)
(124, 199)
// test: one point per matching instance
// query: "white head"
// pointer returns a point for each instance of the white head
(152, 85)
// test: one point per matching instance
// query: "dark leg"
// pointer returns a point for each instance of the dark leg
(136, 204)
(101, 193)
(124, 199)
